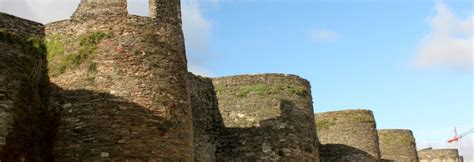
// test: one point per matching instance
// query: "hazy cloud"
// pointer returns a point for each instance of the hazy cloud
(197, 31)
(449, 43)
(430, 138)
(197, 28)
(323, 35)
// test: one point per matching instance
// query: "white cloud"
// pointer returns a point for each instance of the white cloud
(323, 35)
(197, 31)
(449, 43)
(197, 28)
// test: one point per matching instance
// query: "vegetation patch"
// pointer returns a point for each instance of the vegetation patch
(324, 124)
(60, 60)
(292, 89)
(363, 119)
(31, 45)
(259, 89)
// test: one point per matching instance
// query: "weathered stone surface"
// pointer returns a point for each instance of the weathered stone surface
(166, 10)
(207, 121)
(445, 155)
(266, 117)
(26, 124)
(348, 135)
(397, 145)
(124, 77)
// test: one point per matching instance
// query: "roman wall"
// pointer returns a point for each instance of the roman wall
(266, 117)
(348, 135)
(121, 85)
(26, 123)
(207, 121)
(397, 145)
(439, 155)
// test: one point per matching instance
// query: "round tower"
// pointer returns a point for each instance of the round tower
(121, 85)
(446, 155)
(348, 135)
(397, 145)
(266, 117)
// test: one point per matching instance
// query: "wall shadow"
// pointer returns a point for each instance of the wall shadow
(342, 153)
(101, 126)
(271, 141)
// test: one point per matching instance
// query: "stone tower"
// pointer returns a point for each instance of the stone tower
(348, 135)
(445, 155)
(92, 8)
(168, 10)
(397, 145)
(267, 117)
(120, 84)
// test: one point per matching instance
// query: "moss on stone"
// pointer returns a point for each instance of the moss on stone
(60, 60)
(33, 47)
(259, 89)
(324, 124)
(55, 47)
(363, 119)
(244, 90)
(391, 139)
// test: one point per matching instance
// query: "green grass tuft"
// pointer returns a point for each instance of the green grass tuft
(60, 60)
(324, 124)
(259, 89)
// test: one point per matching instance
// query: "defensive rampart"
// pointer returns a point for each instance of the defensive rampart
(266, 117)
(348, 135)
(397, 145)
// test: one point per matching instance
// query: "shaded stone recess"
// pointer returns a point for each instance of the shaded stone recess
(266, 117)
(348, 135)
(123, 85)
(434, 155)
(207, 121)
(26, 123)
(397, 145)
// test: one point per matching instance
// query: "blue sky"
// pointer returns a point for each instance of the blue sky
(408, 61)
(357, 54)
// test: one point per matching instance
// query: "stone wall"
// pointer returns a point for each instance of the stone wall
(90, 9)
(439, 155)
(266, 117)
(207, 121)
(26, 124)
(397, 145)
(348, 135)
(166, 10)
(121, 86)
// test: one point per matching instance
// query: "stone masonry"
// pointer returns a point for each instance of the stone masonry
(105, 85)
(397, 145)
(348, 135)
(438, 155)
(207, 121)
(26, 123)
(121, 84)
(267, 117)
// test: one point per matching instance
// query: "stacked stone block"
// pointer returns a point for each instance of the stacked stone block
(348, 135)
(397, 145)
(266, 117)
